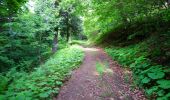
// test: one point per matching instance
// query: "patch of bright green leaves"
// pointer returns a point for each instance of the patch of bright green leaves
(45, 81)
(150, 76)
(100, 68)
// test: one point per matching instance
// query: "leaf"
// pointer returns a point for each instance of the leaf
(166, 97)
(154, 69)
(151, 90)
(2, 97)
(44, 95)
(162, 98)
(156, 75)
(3, 83)
(146, 80)
(165, 84)
(161, 93)
(59, 83)
(20, 97)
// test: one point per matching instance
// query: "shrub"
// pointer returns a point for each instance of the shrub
(46, 80)
(147, 74)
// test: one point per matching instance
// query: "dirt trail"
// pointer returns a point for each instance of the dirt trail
(99, 78)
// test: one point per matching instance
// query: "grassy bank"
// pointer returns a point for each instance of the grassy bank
(154, 78)
(45, 81)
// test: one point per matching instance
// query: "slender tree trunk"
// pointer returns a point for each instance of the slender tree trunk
(39, 48)
(55, 42)
(68, 34)
(164, 3)
(67, 22)
(168, 3)
(122, 13)
(10, 27)
(10, 33)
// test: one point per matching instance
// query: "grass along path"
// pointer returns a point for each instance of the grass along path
(99, 78)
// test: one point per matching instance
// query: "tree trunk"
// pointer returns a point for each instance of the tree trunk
(55, 42)
(168, 2)
(39, 49)
(10, 27)
(67, 22)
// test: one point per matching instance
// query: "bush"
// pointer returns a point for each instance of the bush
(147, 74)
(46, 80)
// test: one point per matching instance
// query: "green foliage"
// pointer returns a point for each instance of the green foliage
(26, 38)
(165, 84)
(145, 80)
(100, 68)
(119, 18)
(156, 74)
(79, 42)
(151, 90)
(166, 97)
(45, 81)
(3, 83)
(146, 73)
(8, 7)
(27, 33)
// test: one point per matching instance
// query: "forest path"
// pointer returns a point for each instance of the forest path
(99, 78)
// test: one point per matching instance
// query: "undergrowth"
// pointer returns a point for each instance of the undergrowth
(45, 81)
(154, 78)
(84, 43)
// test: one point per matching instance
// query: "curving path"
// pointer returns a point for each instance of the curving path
(99, 78)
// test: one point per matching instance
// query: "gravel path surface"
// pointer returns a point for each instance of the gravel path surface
(99, 78)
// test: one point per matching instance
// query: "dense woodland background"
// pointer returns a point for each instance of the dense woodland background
(35, 37)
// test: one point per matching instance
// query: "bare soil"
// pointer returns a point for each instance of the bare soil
(99, 78)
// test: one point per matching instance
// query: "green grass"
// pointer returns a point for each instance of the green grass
(45, 81)
(80, 42)
(100, 68)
